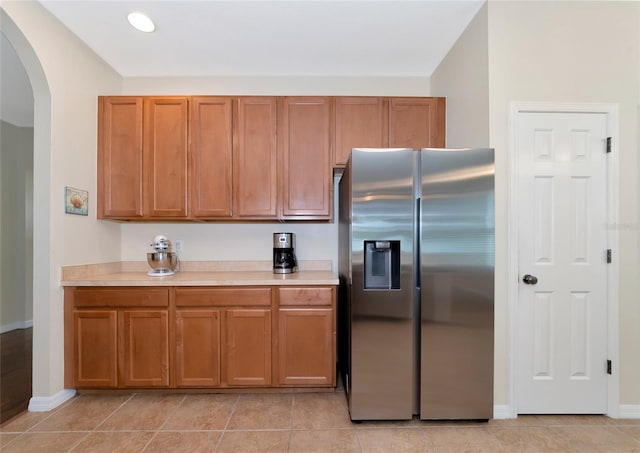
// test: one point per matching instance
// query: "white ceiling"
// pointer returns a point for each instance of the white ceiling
(372, 38)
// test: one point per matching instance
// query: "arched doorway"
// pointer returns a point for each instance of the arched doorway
(41, 211)
(16, 233)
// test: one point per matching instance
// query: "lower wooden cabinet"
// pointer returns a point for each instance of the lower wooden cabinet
(221, 337)
(145, 348)
(306, 345)
(116, 337)
(197, 348)
(132, 342)
(95, 348)
(248, 347)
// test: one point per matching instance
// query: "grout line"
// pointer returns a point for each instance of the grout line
(164, 423)
(233, 410)
(51, 414)
(18, 435)
(114, 411)
(355, 433)
(226, 425)
(173, 411)
(149, 441)
(80, 441)
(293, 407)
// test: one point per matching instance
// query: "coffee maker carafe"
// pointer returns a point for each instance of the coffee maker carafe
(284, 257)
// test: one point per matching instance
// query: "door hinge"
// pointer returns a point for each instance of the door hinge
(608, 145)
(608, 255)
(608, 366)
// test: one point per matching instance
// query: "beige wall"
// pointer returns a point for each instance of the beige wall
(233, 241)
(66, 78)
(569, 52)
(66, 109)
(463, 78)
(538, 51)
(279, 86)
(553, 52)
(16, 234)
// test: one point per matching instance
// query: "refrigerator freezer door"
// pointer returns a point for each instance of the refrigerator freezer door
(382, 372)
(457, 284)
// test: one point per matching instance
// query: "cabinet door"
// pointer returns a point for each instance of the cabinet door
(145, 348)
(417, 123)
(248, 347)
(255, 176)
(120, 157)
(197, 348)
(95, 348)
(306, 346)
(210, 170)
(359, 123)
(305, 140)
(165, 156)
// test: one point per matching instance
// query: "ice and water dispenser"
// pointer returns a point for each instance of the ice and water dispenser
(381, 264)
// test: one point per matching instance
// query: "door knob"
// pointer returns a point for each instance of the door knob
(530, 279)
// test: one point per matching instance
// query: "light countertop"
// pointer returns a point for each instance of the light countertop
(207, 274)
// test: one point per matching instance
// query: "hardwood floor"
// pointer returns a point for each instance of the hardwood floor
(16, 349)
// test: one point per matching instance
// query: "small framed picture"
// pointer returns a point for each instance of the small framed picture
(76, 201)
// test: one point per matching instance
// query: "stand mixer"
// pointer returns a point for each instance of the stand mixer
(163, 262)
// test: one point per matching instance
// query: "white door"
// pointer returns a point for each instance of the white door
(562, 242)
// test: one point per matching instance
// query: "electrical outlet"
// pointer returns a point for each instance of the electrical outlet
(179, 245)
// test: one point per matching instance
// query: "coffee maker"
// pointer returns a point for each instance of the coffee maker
(284, 257)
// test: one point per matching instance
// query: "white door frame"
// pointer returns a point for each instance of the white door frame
(611, 112)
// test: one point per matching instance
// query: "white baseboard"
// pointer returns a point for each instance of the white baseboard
(501, 411)
(47, 403)
(625, 411)
(629, 411)
(16, 325)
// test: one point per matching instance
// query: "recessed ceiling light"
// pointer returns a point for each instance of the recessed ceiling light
(141, 22)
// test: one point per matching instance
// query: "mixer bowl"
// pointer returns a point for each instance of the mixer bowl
(163, 261)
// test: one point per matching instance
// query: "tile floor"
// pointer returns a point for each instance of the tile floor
(302, 422)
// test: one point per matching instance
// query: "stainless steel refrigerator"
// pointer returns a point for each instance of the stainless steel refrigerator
(416, 246)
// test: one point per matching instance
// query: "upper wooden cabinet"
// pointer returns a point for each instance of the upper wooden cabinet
(359, 123)
(233, 158)
(120, 157)
(307, 179)
(244, 157)
(417, 123)
(142, 157)
(165, 156)
(211, 157)
(372, 122)
(255, 174)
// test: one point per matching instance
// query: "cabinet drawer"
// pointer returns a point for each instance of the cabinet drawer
(306, 296)
(121, 297)
(199, 297)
